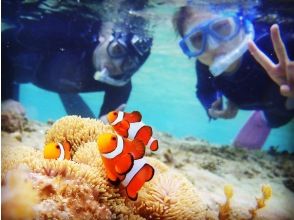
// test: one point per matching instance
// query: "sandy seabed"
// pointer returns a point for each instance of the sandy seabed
(208, 167)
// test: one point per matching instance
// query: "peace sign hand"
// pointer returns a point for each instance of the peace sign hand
(281, 73)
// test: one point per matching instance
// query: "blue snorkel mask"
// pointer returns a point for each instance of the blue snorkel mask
(132, 49)
(214, 32)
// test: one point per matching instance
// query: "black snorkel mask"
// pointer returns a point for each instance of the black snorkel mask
(132, 49)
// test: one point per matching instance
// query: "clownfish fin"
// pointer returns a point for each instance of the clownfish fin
(132, 196)
(112, 178)
(144, 134)
(149, 171)
(145, 174)
(122, 128)
(132, 117)
(136, 116)
(154, 144)
(125, 164)
(139, 149)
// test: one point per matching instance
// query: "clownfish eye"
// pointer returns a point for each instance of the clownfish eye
(113, 138)
(115, 113)
(57, 147)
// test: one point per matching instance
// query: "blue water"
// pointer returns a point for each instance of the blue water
(164, 92)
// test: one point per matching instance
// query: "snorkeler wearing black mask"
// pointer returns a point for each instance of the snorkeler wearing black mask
(69, 54)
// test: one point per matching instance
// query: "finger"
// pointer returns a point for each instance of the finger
(287, 91)
(279, 45)
(217, 113)
(212, 114)
(121, 107)
(103, 118)
(216, 104)
(290, 74)
(261, 58)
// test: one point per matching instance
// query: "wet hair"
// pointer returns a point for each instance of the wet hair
(180, 18)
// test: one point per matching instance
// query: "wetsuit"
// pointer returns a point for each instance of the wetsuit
(55, 53)
(250, 87)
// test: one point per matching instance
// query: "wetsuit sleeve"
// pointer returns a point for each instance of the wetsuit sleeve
(114, 97)
(205, 91)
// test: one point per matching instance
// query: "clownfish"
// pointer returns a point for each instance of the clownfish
(57, 151)
(131, 126)
(124, 162)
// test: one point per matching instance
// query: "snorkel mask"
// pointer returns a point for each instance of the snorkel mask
(132, 49)
(213, 33)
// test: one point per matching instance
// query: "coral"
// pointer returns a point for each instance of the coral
(225, 209)
(168, 195)
(227, 212)
(261, 202)
(76, 131)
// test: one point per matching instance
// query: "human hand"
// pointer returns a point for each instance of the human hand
(281, 73)
(229, 112)
(119, 108)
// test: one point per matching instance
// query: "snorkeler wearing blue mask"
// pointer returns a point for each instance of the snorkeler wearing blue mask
(70, 52)
(225, 67)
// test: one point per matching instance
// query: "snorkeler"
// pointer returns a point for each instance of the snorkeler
(219, 41)
(70, 52)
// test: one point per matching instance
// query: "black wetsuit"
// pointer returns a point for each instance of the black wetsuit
(55, 53)
(249, 87)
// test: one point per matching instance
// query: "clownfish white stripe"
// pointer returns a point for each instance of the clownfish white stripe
(62, 154)
(119, 148)
(138, 164)
(150, 142)
(134, 128)
(119, 118)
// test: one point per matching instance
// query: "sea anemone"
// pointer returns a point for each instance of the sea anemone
(18, 197)
(169, 195)
(76, 131)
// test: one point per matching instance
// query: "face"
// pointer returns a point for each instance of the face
(102, 60)
(115, 57)
(211, 52)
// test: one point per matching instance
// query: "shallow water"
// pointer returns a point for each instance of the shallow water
(163, 91)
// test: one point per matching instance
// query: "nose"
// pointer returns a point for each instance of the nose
(212, 43)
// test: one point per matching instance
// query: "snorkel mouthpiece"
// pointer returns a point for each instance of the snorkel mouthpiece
(103, 76)
(98, 75)
(221, 63)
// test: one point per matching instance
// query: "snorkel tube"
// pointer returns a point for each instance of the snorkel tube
(221, 63)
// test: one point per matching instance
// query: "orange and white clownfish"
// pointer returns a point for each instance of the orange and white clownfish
(124, 162)
(130, 125)
(59, 151)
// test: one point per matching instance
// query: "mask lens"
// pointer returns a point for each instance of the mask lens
(197, 40)
(224, 28)
(116, 50)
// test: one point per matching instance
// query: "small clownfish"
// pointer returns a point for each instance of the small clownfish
(57, 151)
(131, 126)
(124, 162)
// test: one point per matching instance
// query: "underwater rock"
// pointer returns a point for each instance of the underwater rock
(12, 116)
